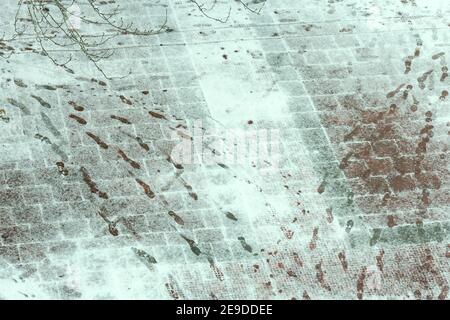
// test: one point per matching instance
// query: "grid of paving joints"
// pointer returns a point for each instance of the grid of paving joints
(92, 205)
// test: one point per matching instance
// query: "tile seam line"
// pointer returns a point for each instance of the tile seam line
(404, 212)
(270, 38)
(235, 40)
(254, 26)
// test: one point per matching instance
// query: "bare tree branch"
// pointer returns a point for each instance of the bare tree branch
(48, 22)
(202, 7)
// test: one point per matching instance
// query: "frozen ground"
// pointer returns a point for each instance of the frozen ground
(352, 202)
